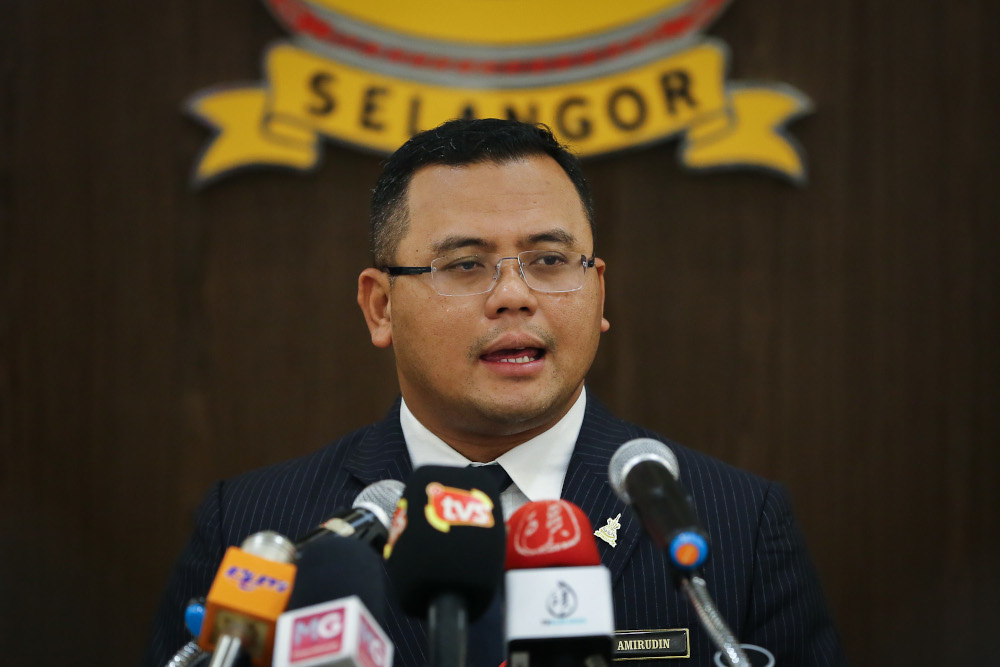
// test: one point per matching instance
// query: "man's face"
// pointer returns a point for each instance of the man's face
(455, 355)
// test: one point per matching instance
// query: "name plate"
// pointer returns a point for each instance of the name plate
(650, 644)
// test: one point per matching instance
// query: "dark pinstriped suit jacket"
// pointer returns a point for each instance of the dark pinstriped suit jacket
(759, 572)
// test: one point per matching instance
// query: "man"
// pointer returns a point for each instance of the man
(487, 289)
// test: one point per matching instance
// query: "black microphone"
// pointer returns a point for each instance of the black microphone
(331, 567)
(644, 473)
(368, 518)
(445, 554)
(335, 609)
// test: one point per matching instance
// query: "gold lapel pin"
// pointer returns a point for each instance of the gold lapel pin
(609, 531)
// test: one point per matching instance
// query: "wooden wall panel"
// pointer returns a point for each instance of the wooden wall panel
(839, 338)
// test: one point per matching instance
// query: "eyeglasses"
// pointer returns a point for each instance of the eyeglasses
(467, 275)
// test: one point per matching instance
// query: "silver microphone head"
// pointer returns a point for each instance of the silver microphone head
(380, 498)
(637, 451)
(270, 545)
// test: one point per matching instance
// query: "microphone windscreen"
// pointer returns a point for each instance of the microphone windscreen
(447, 536)
(333, 567)
(634, 452)
(249, 592)
(380, 498)
(550, 533)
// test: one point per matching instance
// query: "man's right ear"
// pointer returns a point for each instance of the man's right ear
(373, 297)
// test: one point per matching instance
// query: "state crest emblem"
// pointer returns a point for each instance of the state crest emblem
(604, 76)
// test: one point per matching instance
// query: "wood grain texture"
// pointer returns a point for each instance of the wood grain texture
(840, 338)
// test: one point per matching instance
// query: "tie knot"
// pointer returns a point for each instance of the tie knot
(497, 473)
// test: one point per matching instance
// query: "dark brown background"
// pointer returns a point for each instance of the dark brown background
(841, 338)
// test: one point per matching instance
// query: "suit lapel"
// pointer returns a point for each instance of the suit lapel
(587, 485)
(381, 453)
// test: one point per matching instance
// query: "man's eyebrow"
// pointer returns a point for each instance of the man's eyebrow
(454, 242)
(457, 242)
(555, 235)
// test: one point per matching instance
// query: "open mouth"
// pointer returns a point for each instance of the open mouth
(519, 355)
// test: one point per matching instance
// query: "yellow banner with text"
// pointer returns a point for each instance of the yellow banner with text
(307, 97)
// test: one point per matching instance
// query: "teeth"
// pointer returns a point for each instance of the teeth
(518, 360)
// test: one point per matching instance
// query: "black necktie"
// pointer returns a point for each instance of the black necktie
(497, 473)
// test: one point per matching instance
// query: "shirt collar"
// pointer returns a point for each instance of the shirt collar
(537, 467)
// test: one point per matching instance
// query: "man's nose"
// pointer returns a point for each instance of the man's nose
(510, 291)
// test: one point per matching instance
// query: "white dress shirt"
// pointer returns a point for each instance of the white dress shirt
(536, 467)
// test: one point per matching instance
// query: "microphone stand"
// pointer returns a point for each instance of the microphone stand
(187, 656)
(227, 651)
(447, 636)
(696, 590)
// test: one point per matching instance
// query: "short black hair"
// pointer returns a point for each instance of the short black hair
(454, 143)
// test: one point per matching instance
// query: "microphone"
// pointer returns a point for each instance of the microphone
(251, 589)
(331, 567)
(644, 473)
(339, 633)
(368, 518)
(328, 621)
(559, 610)
(445, 554)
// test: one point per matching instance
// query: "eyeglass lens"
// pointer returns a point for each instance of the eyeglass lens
(543, 270)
